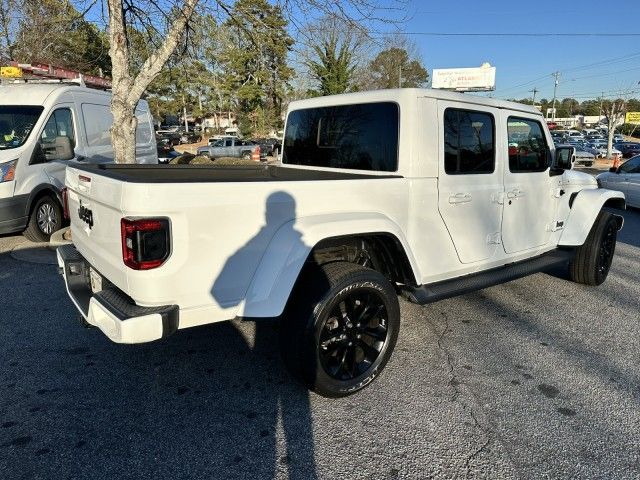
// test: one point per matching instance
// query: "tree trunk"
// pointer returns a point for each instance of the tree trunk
(127, 90)
(123, 133)
(610, 133)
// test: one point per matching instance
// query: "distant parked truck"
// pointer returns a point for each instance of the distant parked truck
(232, 147)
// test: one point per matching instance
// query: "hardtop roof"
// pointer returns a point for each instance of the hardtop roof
(37, 93)
(401, 95)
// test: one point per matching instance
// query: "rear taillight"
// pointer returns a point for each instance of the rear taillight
(145, 242)
(65, 203)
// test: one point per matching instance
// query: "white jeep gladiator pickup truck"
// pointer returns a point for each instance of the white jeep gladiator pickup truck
(422, 193)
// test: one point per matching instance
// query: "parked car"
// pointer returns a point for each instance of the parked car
(166, 152)
(582, 156)
(270, 146)
(190, 137)
(602, 151)
(44, 127)
(574, 135)
(628, 149)
(173, 135)
(626, 179)
(327, 238)
(618, 138)
(232, 147)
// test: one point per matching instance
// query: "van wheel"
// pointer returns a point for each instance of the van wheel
(340, 328)
(46, 218)
(593, 259)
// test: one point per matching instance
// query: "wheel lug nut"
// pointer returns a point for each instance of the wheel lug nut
(358, 336)
(350, 343)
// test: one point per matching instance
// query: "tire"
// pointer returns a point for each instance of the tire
(340, 328)
(593, 259)
(246, 155)
(46, 218)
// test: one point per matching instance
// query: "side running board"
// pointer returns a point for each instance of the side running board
(476, 281)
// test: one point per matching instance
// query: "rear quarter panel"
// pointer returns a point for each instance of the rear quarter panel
(220, 232)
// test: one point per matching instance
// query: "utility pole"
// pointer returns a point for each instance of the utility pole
(534, 91)
(556, 75)
(400, 76)
(601, 98)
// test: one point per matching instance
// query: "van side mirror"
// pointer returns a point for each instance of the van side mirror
(59, 149)
(63, 149)
(564, 158)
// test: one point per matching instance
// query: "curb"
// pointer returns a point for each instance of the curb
(57, 238)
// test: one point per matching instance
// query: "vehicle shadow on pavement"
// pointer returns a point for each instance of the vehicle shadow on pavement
(208, 402)
(291, 410)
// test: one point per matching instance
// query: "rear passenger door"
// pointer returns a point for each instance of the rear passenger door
(470, 179)
(531, 194)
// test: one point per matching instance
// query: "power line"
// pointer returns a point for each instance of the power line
(622, 58)
(606, 74)
(521, 34)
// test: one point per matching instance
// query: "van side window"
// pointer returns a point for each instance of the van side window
(469, 142)
(528, 151)
(60, 124)
(97, 124)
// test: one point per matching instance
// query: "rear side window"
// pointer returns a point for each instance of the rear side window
(97, 124)
(528, 151)
(469, 142)
(98, 120)
(362, 137)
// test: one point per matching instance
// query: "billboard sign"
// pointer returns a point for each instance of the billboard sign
(632, 117)
(480, 79)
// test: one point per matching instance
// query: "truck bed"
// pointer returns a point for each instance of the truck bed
(213, 174)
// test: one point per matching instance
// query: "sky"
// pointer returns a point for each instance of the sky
(588, 65)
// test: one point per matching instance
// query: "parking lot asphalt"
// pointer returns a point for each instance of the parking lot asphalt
(537, 378)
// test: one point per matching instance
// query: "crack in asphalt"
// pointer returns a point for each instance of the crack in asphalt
(458, 393)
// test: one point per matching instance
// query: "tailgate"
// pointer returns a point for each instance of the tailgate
(95, 212)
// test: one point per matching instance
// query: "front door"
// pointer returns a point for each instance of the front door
(59, 124)
(530, 192)
(629, 176)
(470, 179)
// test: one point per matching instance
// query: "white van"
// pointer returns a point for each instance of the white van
(43, 127)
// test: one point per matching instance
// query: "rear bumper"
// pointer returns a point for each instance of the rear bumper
(110, 309)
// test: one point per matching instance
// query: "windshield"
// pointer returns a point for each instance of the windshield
(16, 123)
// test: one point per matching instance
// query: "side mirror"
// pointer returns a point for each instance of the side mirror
(59, 149)
(63, 149)
(565, 156)
(613, 170)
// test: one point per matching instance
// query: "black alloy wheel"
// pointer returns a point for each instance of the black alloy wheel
(607, 248)
(339, 328)
(353, 335)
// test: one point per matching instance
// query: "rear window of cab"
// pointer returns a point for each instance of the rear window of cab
(360, 137)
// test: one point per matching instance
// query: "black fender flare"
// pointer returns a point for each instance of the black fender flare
(39, 191)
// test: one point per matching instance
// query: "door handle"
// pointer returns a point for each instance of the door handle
(460, 198)
(516, 193)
